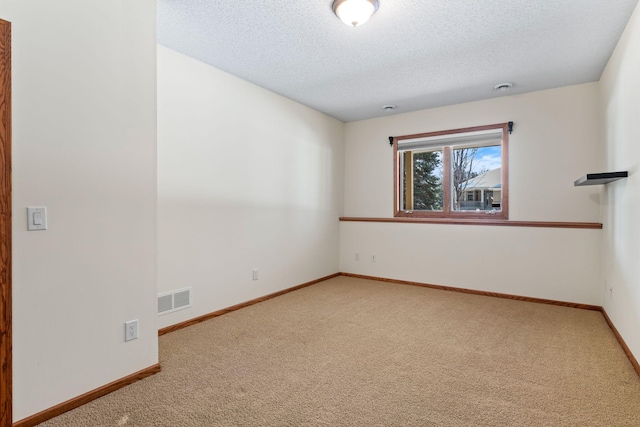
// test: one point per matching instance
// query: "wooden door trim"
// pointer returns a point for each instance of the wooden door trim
(6, 414)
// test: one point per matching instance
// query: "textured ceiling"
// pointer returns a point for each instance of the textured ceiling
(415, 54)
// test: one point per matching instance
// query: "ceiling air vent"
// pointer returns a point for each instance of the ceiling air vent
(169, 302)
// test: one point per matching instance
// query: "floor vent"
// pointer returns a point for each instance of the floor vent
(169, 302)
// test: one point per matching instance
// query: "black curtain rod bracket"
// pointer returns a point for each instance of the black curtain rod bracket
(391, 141)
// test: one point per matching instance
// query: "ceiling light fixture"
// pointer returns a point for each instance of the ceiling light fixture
(355, 12)
(503, 87)
(389, 107)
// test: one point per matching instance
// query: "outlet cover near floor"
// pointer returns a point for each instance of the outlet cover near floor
(131, 330)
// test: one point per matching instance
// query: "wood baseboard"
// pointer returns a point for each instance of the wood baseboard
(70, 404)
(476, 292)
(208, 316)
(623, 344)
(625, 348)
(115, 385)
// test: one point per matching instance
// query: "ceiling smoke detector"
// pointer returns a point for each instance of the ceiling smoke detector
(503, 87)
(389, 107)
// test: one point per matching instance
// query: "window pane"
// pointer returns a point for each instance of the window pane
(422, 186)
(472, 177)
(477, 178)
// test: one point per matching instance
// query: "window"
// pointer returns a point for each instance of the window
(459, 173)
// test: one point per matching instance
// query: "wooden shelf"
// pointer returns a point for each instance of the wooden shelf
(600, 178)
(462, 221)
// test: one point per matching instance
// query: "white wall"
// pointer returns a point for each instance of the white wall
(246, 179)
(84, 146)
(556, 139)
(620, 95)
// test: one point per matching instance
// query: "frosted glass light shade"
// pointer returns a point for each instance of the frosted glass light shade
(354, 12)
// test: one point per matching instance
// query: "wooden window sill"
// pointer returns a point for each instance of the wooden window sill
(492, 222)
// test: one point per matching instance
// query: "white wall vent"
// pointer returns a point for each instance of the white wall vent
(165, 303)
(168, 302)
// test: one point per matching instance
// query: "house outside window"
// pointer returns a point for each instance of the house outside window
(459, 173)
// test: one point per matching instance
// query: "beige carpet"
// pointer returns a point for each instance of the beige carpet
(352, 352)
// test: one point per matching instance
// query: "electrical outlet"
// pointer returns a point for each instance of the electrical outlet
(373, 258)
(255, 274)
(131, 330)
(357, 256)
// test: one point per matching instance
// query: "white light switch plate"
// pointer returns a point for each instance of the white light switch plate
(36, 218)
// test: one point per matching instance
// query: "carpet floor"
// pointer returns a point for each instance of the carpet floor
(353, 352)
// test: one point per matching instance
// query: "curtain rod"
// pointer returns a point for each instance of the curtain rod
(509, 128)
